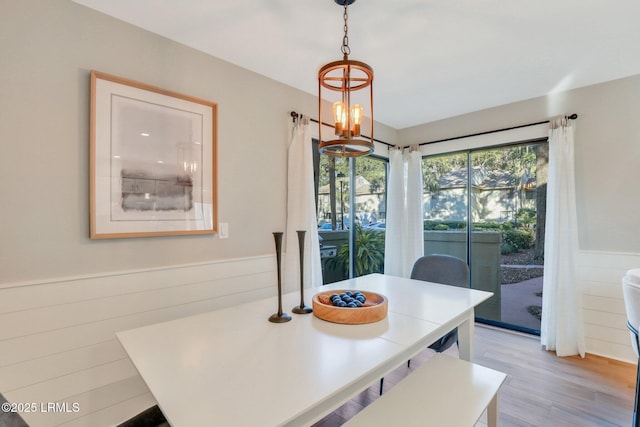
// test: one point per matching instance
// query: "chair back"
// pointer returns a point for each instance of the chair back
(631, 292)
(445, 269)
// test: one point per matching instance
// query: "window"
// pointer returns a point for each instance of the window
(351, 209)
(488, 206)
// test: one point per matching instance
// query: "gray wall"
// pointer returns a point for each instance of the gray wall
(607, 154)
(48, 49)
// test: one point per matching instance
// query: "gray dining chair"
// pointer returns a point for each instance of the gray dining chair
(631, 292)
(448, 270)
(444, 269)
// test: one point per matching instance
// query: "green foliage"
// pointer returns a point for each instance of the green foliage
(434, 167)
(513, 160)
(515, 237)
(487, 226)
(518, 238)
(369, 257)
(374, 171)
(369, 251)
(526, 217)
(444, 225)
(508, 225)
(332, 165)
(506, 249)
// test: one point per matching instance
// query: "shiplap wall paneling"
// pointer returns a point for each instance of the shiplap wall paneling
(61, 346)
(600, 279)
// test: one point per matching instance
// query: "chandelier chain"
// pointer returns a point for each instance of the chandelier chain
(345, 40)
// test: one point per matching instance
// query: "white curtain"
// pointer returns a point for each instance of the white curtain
(393, 261)
(404, 241)
(301, 212)
(414, 238)
(561, 328)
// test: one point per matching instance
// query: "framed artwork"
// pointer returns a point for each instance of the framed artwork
(153, 161)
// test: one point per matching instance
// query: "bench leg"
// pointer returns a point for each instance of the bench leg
(492, 412)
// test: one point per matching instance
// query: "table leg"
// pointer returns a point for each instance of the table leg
(465, 338)
(492, 412)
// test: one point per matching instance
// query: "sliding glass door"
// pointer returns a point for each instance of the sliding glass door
(446, 207)
(351, 209)
(491, 203)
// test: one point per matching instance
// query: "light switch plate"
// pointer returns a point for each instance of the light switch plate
(223, 230)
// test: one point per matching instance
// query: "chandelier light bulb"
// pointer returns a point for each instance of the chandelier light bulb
(356, 117)
(339, 117)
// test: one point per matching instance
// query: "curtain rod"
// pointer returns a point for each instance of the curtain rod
(571, 117)
(295, 116)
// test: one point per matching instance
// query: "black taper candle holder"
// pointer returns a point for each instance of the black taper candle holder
(279, 317)
(302, 308)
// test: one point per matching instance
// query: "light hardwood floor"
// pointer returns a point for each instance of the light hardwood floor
(541, 390)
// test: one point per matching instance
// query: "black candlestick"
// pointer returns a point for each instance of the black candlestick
(279, 317)
(302, 308)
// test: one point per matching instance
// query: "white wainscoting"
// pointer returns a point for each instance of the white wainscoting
(58, 343)
(600, 279)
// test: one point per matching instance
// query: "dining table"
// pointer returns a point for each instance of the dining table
(233, 367)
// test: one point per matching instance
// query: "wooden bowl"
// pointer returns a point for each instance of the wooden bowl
(373, 310)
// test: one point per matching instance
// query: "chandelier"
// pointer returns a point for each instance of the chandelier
(347, 77)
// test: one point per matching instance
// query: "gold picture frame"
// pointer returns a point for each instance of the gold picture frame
(153, 161)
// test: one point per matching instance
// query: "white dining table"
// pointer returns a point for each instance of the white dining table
(232, 367)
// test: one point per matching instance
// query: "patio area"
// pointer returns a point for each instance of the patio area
(521, 289)
(517, 298)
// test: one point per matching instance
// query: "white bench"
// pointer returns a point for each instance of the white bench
(444, 391)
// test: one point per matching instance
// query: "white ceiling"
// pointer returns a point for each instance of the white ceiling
(432, 59)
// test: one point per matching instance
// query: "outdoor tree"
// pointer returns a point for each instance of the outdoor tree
(542, 174)
(374, 171)
(517, 167)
